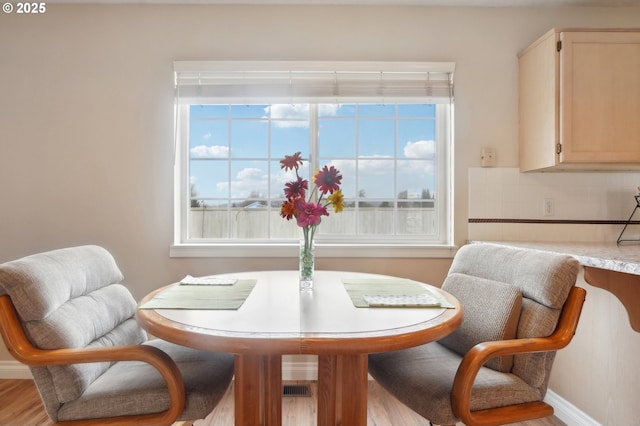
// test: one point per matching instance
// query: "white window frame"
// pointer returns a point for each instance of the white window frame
(182, 247)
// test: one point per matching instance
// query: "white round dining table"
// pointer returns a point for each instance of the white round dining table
(278, 319)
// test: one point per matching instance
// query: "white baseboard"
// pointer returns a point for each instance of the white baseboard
(296, 370)
(14, 370)
(308, 370)
(567, 412)
(563, 409)
(299, 370)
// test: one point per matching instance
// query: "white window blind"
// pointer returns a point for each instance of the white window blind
(244, 81)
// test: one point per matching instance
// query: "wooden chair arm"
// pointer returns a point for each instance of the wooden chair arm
(22, 350)
(482, 352)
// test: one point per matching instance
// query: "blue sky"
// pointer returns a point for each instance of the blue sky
(244, 136)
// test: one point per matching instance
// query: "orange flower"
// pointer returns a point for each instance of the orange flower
(288, 209)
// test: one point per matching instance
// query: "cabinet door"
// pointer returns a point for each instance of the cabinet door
(600, 97)
(538, 103)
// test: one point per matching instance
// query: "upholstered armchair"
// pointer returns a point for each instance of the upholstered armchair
(66, 315)
(520, 307)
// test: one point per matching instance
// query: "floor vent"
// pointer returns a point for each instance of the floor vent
(296, 390)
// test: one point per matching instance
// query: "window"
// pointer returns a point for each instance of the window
(385, 126)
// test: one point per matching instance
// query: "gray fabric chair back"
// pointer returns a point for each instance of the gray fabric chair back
(70, 298)
(544, 279)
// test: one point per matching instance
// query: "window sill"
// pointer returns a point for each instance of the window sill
(322, 250)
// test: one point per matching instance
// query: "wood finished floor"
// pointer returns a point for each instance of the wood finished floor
(20, 405)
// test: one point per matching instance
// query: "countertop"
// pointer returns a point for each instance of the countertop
(610, 256)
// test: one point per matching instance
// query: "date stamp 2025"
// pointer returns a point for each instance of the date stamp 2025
(25, 8)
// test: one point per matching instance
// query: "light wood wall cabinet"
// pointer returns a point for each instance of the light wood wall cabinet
(579, 104)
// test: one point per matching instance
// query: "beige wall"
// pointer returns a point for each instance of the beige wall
(598, 372)
(86, 113)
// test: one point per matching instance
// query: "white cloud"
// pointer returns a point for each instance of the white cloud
(328, 109)
(372, 166)
(247, 181)
(382, 167)
(419, 149)
(296, 115)
(249, 173)
(288, 111)
(367, 166)
(418, 168)
(215, 151)
(207, 136)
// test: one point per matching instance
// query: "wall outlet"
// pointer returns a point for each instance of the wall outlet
(547, 207)
(488, 157)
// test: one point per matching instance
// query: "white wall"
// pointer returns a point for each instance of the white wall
(86, 111)
(581, 197)
(598, 371)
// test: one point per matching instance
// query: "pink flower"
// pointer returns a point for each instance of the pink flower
(308, 214)
(296, 188)
(328, 179)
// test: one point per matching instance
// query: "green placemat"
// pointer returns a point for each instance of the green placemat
(357, 288)
(202, 296)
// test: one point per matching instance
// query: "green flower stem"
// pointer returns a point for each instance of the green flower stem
(307, 255)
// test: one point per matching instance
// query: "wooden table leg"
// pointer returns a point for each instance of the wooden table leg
(258, 390)
(327, 389)
(272, 387)
(342, 390)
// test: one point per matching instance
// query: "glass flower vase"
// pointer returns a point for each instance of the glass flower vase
(306, 266)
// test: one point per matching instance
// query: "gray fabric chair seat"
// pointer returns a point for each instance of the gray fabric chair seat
(73, 298)
(422, 378)
(506, 294)
(133, 388)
